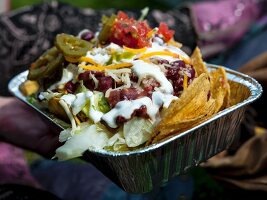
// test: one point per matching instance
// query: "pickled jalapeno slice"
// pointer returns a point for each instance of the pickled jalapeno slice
(46, 65)
(71, 46)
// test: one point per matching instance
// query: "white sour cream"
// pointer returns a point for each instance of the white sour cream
(98, 55)
(143, 69)
(68, 98)
(66, 77)
(94, 114)
(78, 101)
(161, 99)
(126, 108)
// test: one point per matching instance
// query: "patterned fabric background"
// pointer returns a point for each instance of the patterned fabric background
(26, 33)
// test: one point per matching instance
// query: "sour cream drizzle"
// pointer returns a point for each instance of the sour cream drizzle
(94, 114)
(66, 77)
(78, 101)
(126, 108)
(143, 69)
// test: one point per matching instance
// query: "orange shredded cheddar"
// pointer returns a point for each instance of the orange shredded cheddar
(89, 60)
(150, 33)
(135, 51)
(92, 67)
(159, 53)
(102, 68)
(185, 81)
(117, 66)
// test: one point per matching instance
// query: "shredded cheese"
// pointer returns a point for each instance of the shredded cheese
(114, 76)
(102, 67)
(152, 32)
(88, 60)
(159, 53)
(119, 71)
(126, 80)
(69, 114)
(92, 67)
(135, 51)
(96, 82)
(117, 66)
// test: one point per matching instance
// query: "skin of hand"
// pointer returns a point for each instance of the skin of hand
(23, 127)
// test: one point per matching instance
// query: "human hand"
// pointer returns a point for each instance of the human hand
(23, 127)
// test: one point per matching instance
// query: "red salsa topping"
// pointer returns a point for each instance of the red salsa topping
(130, 32)
(165, 31)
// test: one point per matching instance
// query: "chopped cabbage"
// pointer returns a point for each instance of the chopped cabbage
(137, 131)
(117, 142)
(81, 88)
(101, 102)
(87, 137)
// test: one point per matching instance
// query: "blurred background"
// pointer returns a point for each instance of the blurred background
(120, 4)
(232, 33)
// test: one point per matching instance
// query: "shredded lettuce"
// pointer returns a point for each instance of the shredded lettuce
(101, 103)
(117, 142)
(137, 131)
(81, 88)
(32, 99)
(87, 137)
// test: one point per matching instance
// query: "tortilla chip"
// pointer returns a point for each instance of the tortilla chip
(207, 94)
(189, 109)
(175, 128)
(198, 63)
(199, 84)
(220, 89)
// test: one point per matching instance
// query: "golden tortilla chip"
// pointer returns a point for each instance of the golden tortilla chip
(207, 94)
(199, 84)
(173, 129)
(220, 89)
(190, 108)
(198, 63)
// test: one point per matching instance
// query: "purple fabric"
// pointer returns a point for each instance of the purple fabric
(221, 23)
(13, 167)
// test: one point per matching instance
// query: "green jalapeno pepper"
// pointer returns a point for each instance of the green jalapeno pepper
(71, 46)
(46, 64)
(105, 33)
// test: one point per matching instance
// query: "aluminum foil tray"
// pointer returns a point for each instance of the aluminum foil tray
(145, 169)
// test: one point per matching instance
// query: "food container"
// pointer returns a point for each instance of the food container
(145, 169)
